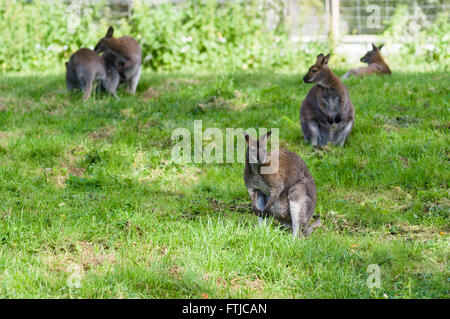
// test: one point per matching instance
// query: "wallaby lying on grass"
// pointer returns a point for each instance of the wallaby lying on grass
(326, 114)
(376, 63)
(86, 67)
(289, 194)
(128, 55)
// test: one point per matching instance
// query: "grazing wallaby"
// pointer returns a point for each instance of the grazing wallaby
(376, 63)
(289, 194)
(113, 78)
(86, 67)
(128, 54)
(326, 114)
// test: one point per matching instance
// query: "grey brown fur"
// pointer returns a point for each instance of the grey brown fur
(327, 113)
(86, 67)
(112, 73)
(289, 195)
(128, 56)
(376, 63)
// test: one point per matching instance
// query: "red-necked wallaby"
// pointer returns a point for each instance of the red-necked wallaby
(326, 114)
(86, 67)
(113, 78)
(128, 54)
(376, 63)
(289, 194)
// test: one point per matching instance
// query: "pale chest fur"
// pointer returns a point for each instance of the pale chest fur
(330, 103)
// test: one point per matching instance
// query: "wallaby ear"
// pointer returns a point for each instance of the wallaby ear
(265, 137)
(374, 47)
(379, 48)
(320, 58)
(110, 32)
(327, 57)
(247, 137)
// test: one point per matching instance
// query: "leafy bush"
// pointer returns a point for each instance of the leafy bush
(208, 34)
(422, 41)
(173, 36)
(36, 36)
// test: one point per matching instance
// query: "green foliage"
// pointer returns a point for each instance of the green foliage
(38, 35)
(182, 36)
(422, 41)
(207, 34)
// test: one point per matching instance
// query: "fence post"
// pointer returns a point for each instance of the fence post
(327, 17)
(334, 22)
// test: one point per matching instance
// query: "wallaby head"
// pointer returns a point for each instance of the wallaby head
(104, 42)
(373, 56)
(318, 71)
(257, 148)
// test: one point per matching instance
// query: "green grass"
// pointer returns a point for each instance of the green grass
(92, 186)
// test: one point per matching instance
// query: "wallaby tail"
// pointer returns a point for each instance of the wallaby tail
(88, 89)
(317, 223)
(346, 75)
(309, 229)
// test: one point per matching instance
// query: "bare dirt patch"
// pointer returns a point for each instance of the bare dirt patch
(102, 133)
(151, 93)
(79, 253)
(157, 91)
(251, 282)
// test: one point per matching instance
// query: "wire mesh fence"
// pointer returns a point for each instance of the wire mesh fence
(306, 19)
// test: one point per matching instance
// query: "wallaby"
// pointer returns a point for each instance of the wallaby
(128, 54)
(326, 114)
(113, 78)
(289, 194)
(376, 63)
(86, 67)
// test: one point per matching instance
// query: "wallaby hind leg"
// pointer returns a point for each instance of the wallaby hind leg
(309, 229)
(111, 82)
(298, 208)
(88, 88)
(133, 82)
(311, 132)
(341, 136)
(69, 85)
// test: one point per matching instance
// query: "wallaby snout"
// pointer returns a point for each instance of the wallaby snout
(306, 79)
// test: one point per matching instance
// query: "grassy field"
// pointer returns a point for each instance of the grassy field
(91, 205)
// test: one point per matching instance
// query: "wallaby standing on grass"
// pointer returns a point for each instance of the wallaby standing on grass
(326, 114)
(86, 67)
(376, 63)
(112, 73)
(128, 54)
(289, 194)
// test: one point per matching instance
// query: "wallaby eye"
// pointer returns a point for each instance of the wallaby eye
(313, 71)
